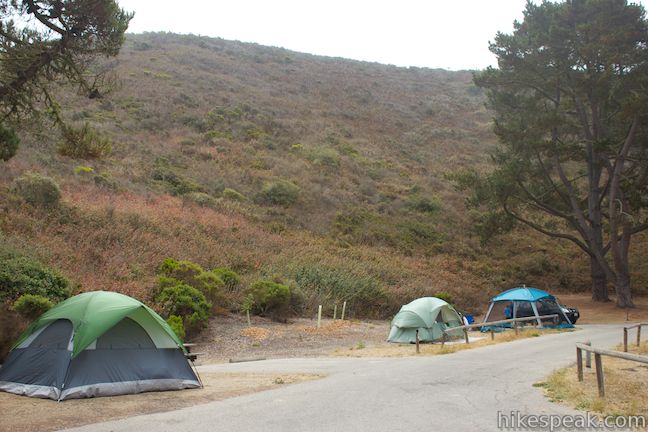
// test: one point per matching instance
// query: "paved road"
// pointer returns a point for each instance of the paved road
(458, 392)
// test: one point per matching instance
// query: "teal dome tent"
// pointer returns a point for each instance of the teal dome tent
(524, 302)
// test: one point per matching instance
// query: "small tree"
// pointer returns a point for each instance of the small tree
(270, 298)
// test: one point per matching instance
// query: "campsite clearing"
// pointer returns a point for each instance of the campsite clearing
(17, 412)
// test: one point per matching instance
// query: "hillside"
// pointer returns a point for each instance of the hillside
(326, 174)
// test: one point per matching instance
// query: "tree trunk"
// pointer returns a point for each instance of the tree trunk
(623, 293)
(599, 282)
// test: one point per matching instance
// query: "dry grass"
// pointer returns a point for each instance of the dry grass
(333, 327)
(17, 412)
(403, 350)
(626, 387)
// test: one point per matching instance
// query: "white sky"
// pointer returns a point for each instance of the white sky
(449, 34)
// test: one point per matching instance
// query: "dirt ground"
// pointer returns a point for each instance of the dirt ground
(605, 313)
(17, 413)
(230, 338)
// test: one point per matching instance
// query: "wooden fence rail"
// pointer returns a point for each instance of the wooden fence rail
(598, 361)
(625, 334)
(513, 321)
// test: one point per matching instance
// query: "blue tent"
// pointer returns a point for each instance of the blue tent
(526, 302)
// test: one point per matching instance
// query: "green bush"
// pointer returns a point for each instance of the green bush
(80, 170)
(22, 275)
(186, 302)
(184, 271)
(326, 157)
(32, 306)
(328, 283)
(83, 143)
(202, 199)
(38, 190)
(280, 192)
(8, 143)
(175, 183)
(229, 277)
(445, 296)
(270, 299)
(176, 324)
(233, 195)
(425, 205)
(174, 272)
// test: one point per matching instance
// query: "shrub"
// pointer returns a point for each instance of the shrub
(83, 143)
(175, 183)
(229, 277)
(174, 272)
(445, 296)
(32, 306)
(233, 195)
(202, 199)
(38, 190)
(176, 324)
(425, 205)
(270, 298)
(186, 302)
(23, 275)
(8, 143)
(80, 169)
(184, 271)
(281, 192)
(326, 157)
(342, 285)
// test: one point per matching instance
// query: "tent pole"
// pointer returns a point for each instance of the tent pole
(490, 308)
(197, 374)
(535, 311)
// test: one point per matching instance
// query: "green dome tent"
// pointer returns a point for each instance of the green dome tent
(96, 344)
(429, 315)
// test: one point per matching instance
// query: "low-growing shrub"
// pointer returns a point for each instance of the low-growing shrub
(8, 143)
(80, 170)
(202, 199)
(280, 192)
(229, 277)
(175, 183)
(176, 324)
(173, 272)
(83, 143)
(233, 195)
(22, 275)
(445, 296)
(38, 190)
(425, 205)
(32, 306)
(186, 302)
(270, 299)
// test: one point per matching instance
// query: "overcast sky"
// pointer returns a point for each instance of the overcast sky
(449, 34)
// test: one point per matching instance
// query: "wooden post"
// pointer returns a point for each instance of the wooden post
(588, 356)
(515, 326)
(319, 316)
(247, 315)
(492, 334)
(418, 350)
(639, 336)
(466, 336)
(579, 363)
(343, 310)
(625, 339)
(599, 374)
(334, 312)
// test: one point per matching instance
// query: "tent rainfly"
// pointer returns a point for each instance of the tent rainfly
(97, 344)
(429, 315)
(526, 302)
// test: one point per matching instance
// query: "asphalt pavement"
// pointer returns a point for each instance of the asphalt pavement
(462, 391)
